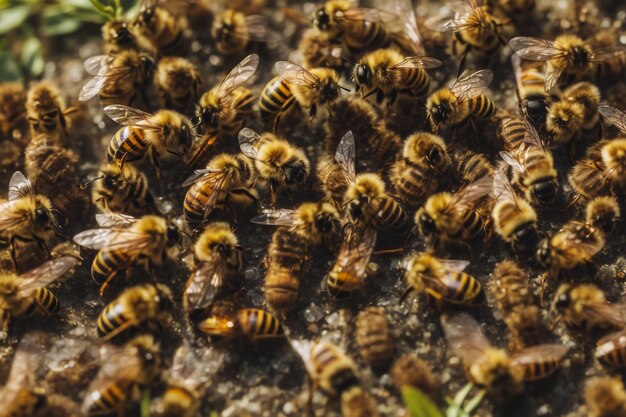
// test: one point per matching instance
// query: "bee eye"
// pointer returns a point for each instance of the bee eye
(562, 302)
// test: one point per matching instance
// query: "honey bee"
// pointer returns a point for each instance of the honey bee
(350, 268)
(232, 31)
(23, 397)
(307, 225)
(443, 280)
(120, 191)
(385, 72)
(499, 373)
(373, 336)
(471, 167)
(254, 324)
(567, 55)
(177, 83)
(603, 213)
(139, 306)
(27, 216)
(25, 294)
(118, 79)
(416, 173)
(224, 108)
(124, 241)
(448, 217)
(533, 169)
(474, 28)
(218, 256)
(158, 135)
(534, 101)
(164, 30)
(46, 110)
(277, 162)
(575, 244)
(464, 100)
(514, 219)
(118, 37)
(187, 381)
(124, 369)
(613, 151)
(584, 306)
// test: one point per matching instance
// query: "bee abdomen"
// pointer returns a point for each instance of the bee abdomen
(373, 336)
(177, 399)
(512, 131)
(127, 141)
(482, 107)
(47, 301)
(341, 284)
(390, 214)
(540, 369)
(108, 399)
(196, 201)
(287, 249)
(366, 36)
(281, 288)
(418, 82)
(273, 98)
(259, 324)
(111, 318)
(469, 291)
(107, 263)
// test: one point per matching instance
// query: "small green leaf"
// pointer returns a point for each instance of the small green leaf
(13, 17)
(106, 10)
(32, 57)
(57, 22)
(214, 414)
(418, 404)
(9, 68)
(144, 408)
(130, 8)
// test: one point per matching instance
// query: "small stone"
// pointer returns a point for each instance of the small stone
(313, 314)
(544, 410)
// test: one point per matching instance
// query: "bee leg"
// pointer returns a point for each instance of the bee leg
(122, 162)
(405, 293)
(157, 164)
(105, 284)
(230, 210)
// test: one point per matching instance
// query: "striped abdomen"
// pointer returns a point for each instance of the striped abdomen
(110, 398)
(481, 107)
(361, 36)
(258, 324)
(461, 288)
(127, 144)
(473, 225)
(587, 179)
(532, 79)
(612, 352)
(340, 283)
(390, 214)
(335, 371)
(287, 249)
(416, 80)
(107, 263)
(473, 166)
(540, 369)
(178, 402)
(199, 197)
(275, 98)
(511, 132)
(412, 182)
(111, 318)
(280, 287)
(46, 300)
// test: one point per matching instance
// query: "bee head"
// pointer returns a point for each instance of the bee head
(563, 299)
(42, 217)
(536, 107)
(121, 34)
(173, 236)
(426, 224)
(321, 19)
(362, 76)
(326, 223)
(544, 192)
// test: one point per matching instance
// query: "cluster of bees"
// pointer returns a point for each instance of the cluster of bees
(445, 170)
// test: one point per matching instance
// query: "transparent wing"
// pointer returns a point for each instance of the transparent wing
(238, 75)
(356, 250)
(19, 186)
(536, 49)
(418, 62)
(607, 54)
(606, 313)
(304, 348)
(248, 139)
(205, 282)
(502, 189)
(615, 341)
(369, 15)
(114, 239)
(584, 240)
(532, 136)
(92, 88)
(613, 116)
(474, 191)
(466, 338)
(512, 161)
(114, 220)
(272, 217)
(407, 35)
(24, 364)
(96, 65)
(258, 29)
(346, 155)
(194, 370)
(552, 77)
(296, 75)
(537, 354)
(472, 85)
(201, 175)
(457, 265)
(48, 272)
(130, 116)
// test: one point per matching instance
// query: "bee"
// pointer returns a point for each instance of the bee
(453, 217)
(533, 169)
(471, 167)
(232, 31)
(118, 79)
(23, 397)
(27, 216)
(139, 306)
(567, 55)
(177, 83)
(512, 132)
(584, 306)
(359, 29)
(158, 135)
(610, 350)
(254, 324)
(46, 110)
(276, 161)
(118, 37)
(350, 268)
(416, 173)
(307, 225)
(124, 369)
(410, 370)
(218, 256)
(226, 179)
(25, 294)
(514, 219)
(164, 30)
(603, 213)
(224, 108)
(491, 368)
(474, 28)
(575, 244)
(464, 100)
(443, 280)
(613, 151)
(187, 382)
(533, 99)
(337, 172)
(577, 111)
(118, 191)
(385, 72)
(373, 336)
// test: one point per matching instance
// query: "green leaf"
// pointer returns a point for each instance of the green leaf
(32, 56)
(418, 404)
(13, 17)
(57, 22)
(144, 407)
(9, 68)
(106, 10)
(214, 414)
(130, 8)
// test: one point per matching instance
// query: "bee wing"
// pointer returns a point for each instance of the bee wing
(194, 370)
(295, 74)
(552, 76)
(118, 364)
(610, 342)
(502, 189)
(418, 62)
(474, 191)
(10, 218)
(200, 175)
(607, 54)
(272, 217)
(92, 88)
(532, 136)
(457, 265)
(369, 15)
(19, 187)
(587, 240)
(540, 353)
(238, 75)
(613, 116)
(113, 239)
(205, 282)
(247, 142)
(257, 29)
(606, 312)
(304, 348)
(472, 85)
(511, 160)
(110, 220)
(24, 365)
(96, 65)
(130, 116)
(356, 249)
(346, 155)
(536, 49)
(466, 338)
(409, 37)
(46, 273)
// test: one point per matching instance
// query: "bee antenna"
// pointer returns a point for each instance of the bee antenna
(348, 61)
(344, 88)
(85, 183)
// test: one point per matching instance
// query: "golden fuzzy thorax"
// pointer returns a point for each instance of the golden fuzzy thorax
(420, 266)
(417, 145)
(614, 155)
(307, 96)
(366, 184)
(9, 288)
(218, 233)
(438, 203)
(170, 136)
(457, 111)
(177, 76)
(43, 96)
(508, 215)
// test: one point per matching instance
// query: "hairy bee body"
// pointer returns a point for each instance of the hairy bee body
(603, 213)
(481, 107)
(454, 112)
(509, 286)
(230, 119)
(613, 155)
(332, 180)
(42, 300)
(177, 82)
(373, 336)
(587, 178)
(336, 372)
(122, 191)
(230, 32)
(516, 223)
(481, 37)
(471, 166)
(585, 307)
(124, 89)
(46, 110)
(258, 324)
(166, 32)
(539, 179)
(109, 263)
(511, 132)
(35, 214)
(128, 144)
(276, 98)
(367, 201)
(118, 37)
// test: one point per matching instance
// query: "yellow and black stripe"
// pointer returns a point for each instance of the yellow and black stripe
(47, 301)
(127, 145)
(417, 81)
(107, 263)
(390, 214)
(109, 399)
(613, 352)
(540, 369)
(197, 200)
(335, 371)
(482, 107)
(341, 283)
(464, 289)
(112, 317)
(177, 400)
(512, 132)
(258, 324)
(275, 99)
(362, 36)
